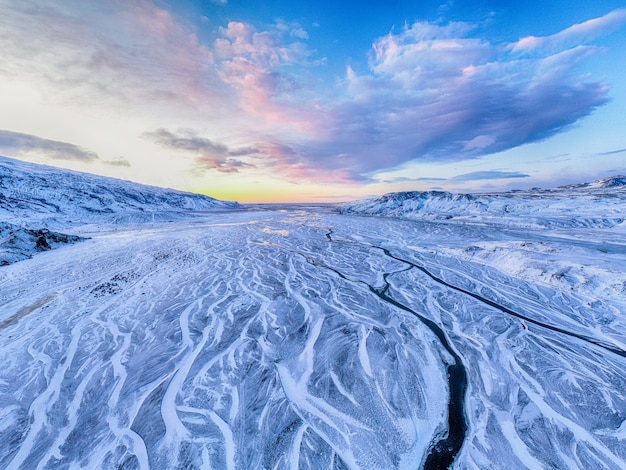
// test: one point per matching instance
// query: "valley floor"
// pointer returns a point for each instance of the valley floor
(300, 338)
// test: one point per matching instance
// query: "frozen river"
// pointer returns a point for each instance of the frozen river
(300, 338)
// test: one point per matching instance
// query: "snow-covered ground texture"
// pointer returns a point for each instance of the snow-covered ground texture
(301, 338)
(548, 236)
(37, 196)
(297, 337)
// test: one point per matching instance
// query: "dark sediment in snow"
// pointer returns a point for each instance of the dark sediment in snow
(17, 243)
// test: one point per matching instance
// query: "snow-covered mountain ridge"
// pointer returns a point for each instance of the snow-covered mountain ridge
(41, 196)
(600, 204)
(548, 236)
(38, 201)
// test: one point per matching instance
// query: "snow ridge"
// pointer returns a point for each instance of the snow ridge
(39, 195)
(592, 205)
(38, 202)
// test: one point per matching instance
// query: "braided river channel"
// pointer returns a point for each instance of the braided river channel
(295, 337)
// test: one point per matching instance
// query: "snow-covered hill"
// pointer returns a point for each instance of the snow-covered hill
(37, 202)
(37, 196)
(600, 204)
(548, 236)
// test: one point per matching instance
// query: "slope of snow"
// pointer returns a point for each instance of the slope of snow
(39, 196)
(38, 202)
(591, 205)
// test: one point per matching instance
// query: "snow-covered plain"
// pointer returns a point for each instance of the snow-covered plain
(298, 337)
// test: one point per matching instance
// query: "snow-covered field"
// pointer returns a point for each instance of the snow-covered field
(298, 337)
(555, 237)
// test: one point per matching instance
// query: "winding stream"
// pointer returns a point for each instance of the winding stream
(445, 448)
(443, 452)
(262, 339)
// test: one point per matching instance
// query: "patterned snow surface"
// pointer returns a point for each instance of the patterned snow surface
(300, 338)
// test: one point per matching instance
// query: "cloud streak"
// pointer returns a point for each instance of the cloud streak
(613, 152)
(574, 35)
(17, 144)
(119, 162)
(209, 155)
(472, 176)
(489, 175)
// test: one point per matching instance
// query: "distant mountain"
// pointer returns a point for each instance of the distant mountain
(39, 196)
(600, 204)
(612, 182)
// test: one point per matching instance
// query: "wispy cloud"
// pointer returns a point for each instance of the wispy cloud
(612, 152)
(17, 144)
(489, 175)
(472, 176)
(95, 53)
(574, 35)
(406, 179)
(121, 162)
(209, 155)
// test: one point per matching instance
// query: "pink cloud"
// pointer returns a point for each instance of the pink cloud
(262, 68)
(125, 52)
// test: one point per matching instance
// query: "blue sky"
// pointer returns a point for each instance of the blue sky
(314, 101)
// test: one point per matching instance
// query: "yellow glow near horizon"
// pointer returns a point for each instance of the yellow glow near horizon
(287, 193)
(250, 189)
